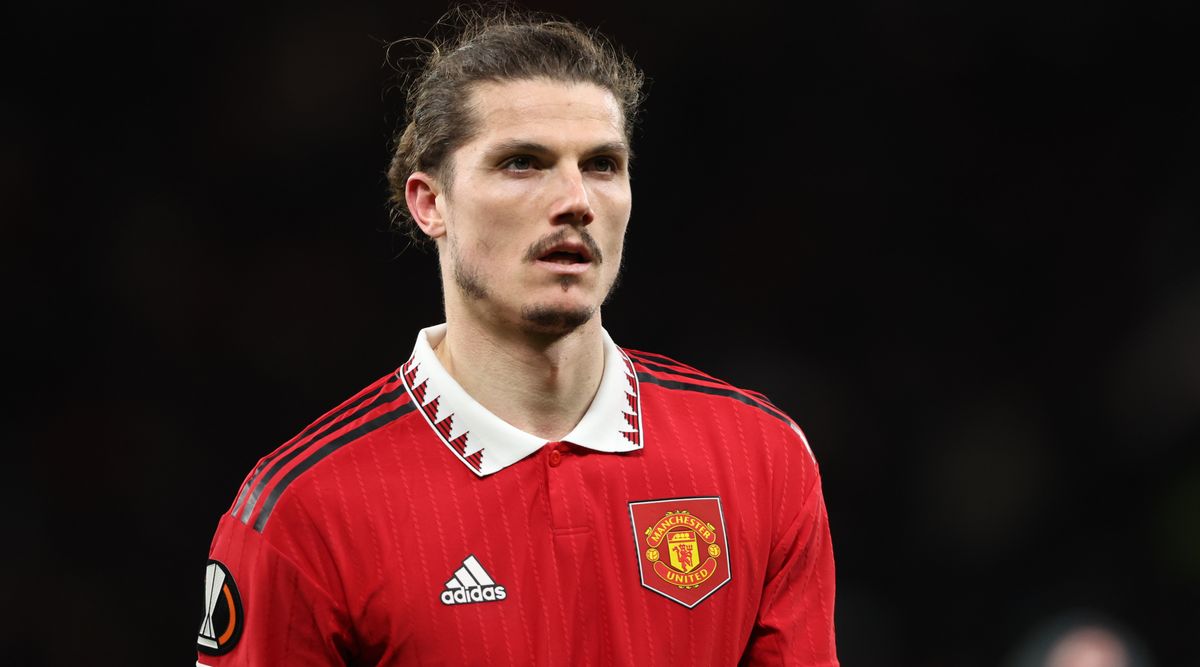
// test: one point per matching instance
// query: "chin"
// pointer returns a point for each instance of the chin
(556, 319)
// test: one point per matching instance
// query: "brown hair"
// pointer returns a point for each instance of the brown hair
(502, 45)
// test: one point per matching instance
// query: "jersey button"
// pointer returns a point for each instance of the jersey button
(555, 458)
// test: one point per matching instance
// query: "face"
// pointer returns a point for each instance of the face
(534, 221)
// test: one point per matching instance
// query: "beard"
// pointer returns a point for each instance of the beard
(537, 318)
(467, 277)
(545, 319)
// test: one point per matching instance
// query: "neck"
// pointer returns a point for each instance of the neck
(539, 383)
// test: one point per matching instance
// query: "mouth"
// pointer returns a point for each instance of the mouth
(564, 254)
(565, 257)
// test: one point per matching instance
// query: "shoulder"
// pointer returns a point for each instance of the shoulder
(696, 415)
(678, 383)
(676, 377)
(313, 452)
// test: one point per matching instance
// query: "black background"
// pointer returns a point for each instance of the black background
(958, 242)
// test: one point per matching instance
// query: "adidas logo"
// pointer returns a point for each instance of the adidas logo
(471, 583)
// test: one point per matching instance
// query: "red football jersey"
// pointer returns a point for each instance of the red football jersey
(681, 522)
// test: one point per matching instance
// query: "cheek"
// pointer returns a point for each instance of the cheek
(496, 213)
(487, 247)
(478, 229)
(617, 251)
(616, 202)
(616, 212)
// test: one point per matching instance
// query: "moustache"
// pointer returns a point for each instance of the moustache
(543, 245)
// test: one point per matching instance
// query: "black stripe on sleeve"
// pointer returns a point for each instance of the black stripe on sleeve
(761, 397)
(328, 448)
(676, 371)
(312, 428)
(677, 368)
(668, 361)
(265, 479)
(715, 391)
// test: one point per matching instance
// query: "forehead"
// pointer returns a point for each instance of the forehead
(545, 110)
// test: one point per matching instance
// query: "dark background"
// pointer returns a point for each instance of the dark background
(958, 242)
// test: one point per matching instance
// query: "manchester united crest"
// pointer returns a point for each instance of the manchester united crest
(682, 550)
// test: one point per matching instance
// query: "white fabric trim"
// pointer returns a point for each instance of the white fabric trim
(486, 443)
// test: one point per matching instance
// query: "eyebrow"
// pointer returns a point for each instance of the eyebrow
(519, 146)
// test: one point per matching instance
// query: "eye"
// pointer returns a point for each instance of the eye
(604, 164)
(518, 163)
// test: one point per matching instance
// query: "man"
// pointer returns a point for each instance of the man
(521, 491)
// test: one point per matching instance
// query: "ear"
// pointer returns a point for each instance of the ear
(421, 193)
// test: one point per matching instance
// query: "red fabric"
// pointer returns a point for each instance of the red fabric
(357, 551)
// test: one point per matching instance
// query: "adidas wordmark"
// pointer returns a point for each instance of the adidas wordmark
(471, 583)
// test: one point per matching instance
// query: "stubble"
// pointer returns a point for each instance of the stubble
(538, 318)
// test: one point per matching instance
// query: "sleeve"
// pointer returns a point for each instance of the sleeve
(795, 617)
(261, 609)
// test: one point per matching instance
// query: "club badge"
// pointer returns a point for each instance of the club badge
(683, 553)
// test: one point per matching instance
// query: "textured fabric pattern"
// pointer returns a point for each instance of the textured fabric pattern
(360, 553)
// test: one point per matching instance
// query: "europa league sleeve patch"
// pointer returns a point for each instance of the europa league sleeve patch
(223, 618)
(683, 553)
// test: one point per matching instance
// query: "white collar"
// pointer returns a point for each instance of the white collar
(486, 443)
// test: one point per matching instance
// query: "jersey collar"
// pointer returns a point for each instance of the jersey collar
(487, 444)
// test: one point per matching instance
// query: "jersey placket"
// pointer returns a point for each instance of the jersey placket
(570, 513)
(571, 528)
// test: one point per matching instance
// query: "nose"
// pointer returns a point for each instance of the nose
(572, 205)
